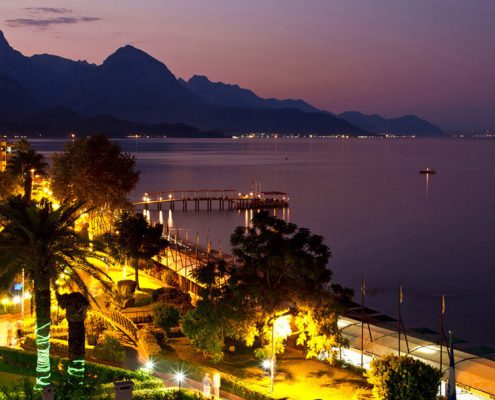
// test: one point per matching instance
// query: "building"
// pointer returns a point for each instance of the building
(475, 367)
(7, 149)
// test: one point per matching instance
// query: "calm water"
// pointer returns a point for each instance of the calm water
(380, 217)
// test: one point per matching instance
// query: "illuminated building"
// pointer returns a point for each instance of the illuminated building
(6, 151)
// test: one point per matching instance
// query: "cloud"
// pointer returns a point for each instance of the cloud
(49, 10)
(43, 23)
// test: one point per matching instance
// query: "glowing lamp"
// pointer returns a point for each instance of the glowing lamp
(149, 366)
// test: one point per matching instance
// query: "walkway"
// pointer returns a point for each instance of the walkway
(170, 381)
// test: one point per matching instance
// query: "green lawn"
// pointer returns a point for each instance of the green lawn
(297, 378)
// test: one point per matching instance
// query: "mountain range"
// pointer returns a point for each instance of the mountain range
(132, 92)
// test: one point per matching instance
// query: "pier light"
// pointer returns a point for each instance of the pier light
(170, 196)
(16, 299)
(5, 301)
(267, 364)
(27, 295)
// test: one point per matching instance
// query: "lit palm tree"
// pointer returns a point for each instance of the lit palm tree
(27, 163)
(42, 240)
(76, 306)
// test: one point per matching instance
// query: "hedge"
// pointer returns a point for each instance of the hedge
(165, 394)
(103, 373)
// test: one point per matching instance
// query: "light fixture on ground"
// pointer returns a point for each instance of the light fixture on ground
(179, 377)
(149, 366)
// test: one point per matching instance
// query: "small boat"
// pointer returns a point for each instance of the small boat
(427, 171)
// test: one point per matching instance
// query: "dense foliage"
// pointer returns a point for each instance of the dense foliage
(94, 170)
(165, 317)
(403, 378)
(280, 270)
(25, 165)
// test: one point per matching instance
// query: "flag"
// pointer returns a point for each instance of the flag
(451, 393)
(401, 296)
(443, 304)
(363, 286)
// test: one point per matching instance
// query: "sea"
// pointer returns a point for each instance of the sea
(381, 218)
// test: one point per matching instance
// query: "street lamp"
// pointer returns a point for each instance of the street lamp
(179, 377)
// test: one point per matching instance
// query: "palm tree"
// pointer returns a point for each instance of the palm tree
(42, 240)
(76, 306)
(137, 240)
(25, 164)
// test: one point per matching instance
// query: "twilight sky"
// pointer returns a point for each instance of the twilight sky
(435, 58)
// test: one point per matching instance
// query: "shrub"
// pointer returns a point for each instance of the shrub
(403, 378)
(155, 294)
(167, 395)
(149, 341)
(94, 328)
(159, 334)
(109, 348)
(177, 298)
(20, 391)
(165, 317)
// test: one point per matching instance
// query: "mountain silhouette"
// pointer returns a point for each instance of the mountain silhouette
(140, 91)
(405, 125)
(227, 95)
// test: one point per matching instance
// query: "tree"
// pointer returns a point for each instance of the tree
(25, 164)
(95, 171)
(403, 378)
(76, 306)
(9, 185)
(43, 242)
(280, 270)
(136, 240)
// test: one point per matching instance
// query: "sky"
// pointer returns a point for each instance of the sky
(433, 58)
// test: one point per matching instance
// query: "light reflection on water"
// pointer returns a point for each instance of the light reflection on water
(379, 216)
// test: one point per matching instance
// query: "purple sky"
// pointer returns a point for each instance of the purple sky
(435, 58)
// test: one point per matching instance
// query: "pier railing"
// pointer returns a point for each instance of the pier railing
(228, 199)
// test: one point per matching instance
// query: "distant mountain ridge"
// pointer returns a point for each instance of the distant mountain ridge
(60, 122)
(135, 88)
(228, 95)
(405, 125)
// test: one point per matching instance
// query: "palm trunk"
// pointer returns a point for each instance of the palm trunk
(135, 265)
(28, 187)
(77, 351)
(43, 322)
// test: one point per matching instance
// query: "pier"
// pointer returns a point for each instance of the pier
(221, 199)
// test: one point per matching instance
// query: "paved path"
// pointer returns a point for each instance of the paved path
(170, 381)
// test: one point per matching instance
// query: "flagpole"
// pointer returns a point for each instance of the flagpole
(400, 318)
(442, 311)
(451, 390)
(362, 320)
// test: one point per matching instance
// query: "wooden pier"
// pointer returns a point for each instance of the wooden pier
(221, 199)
